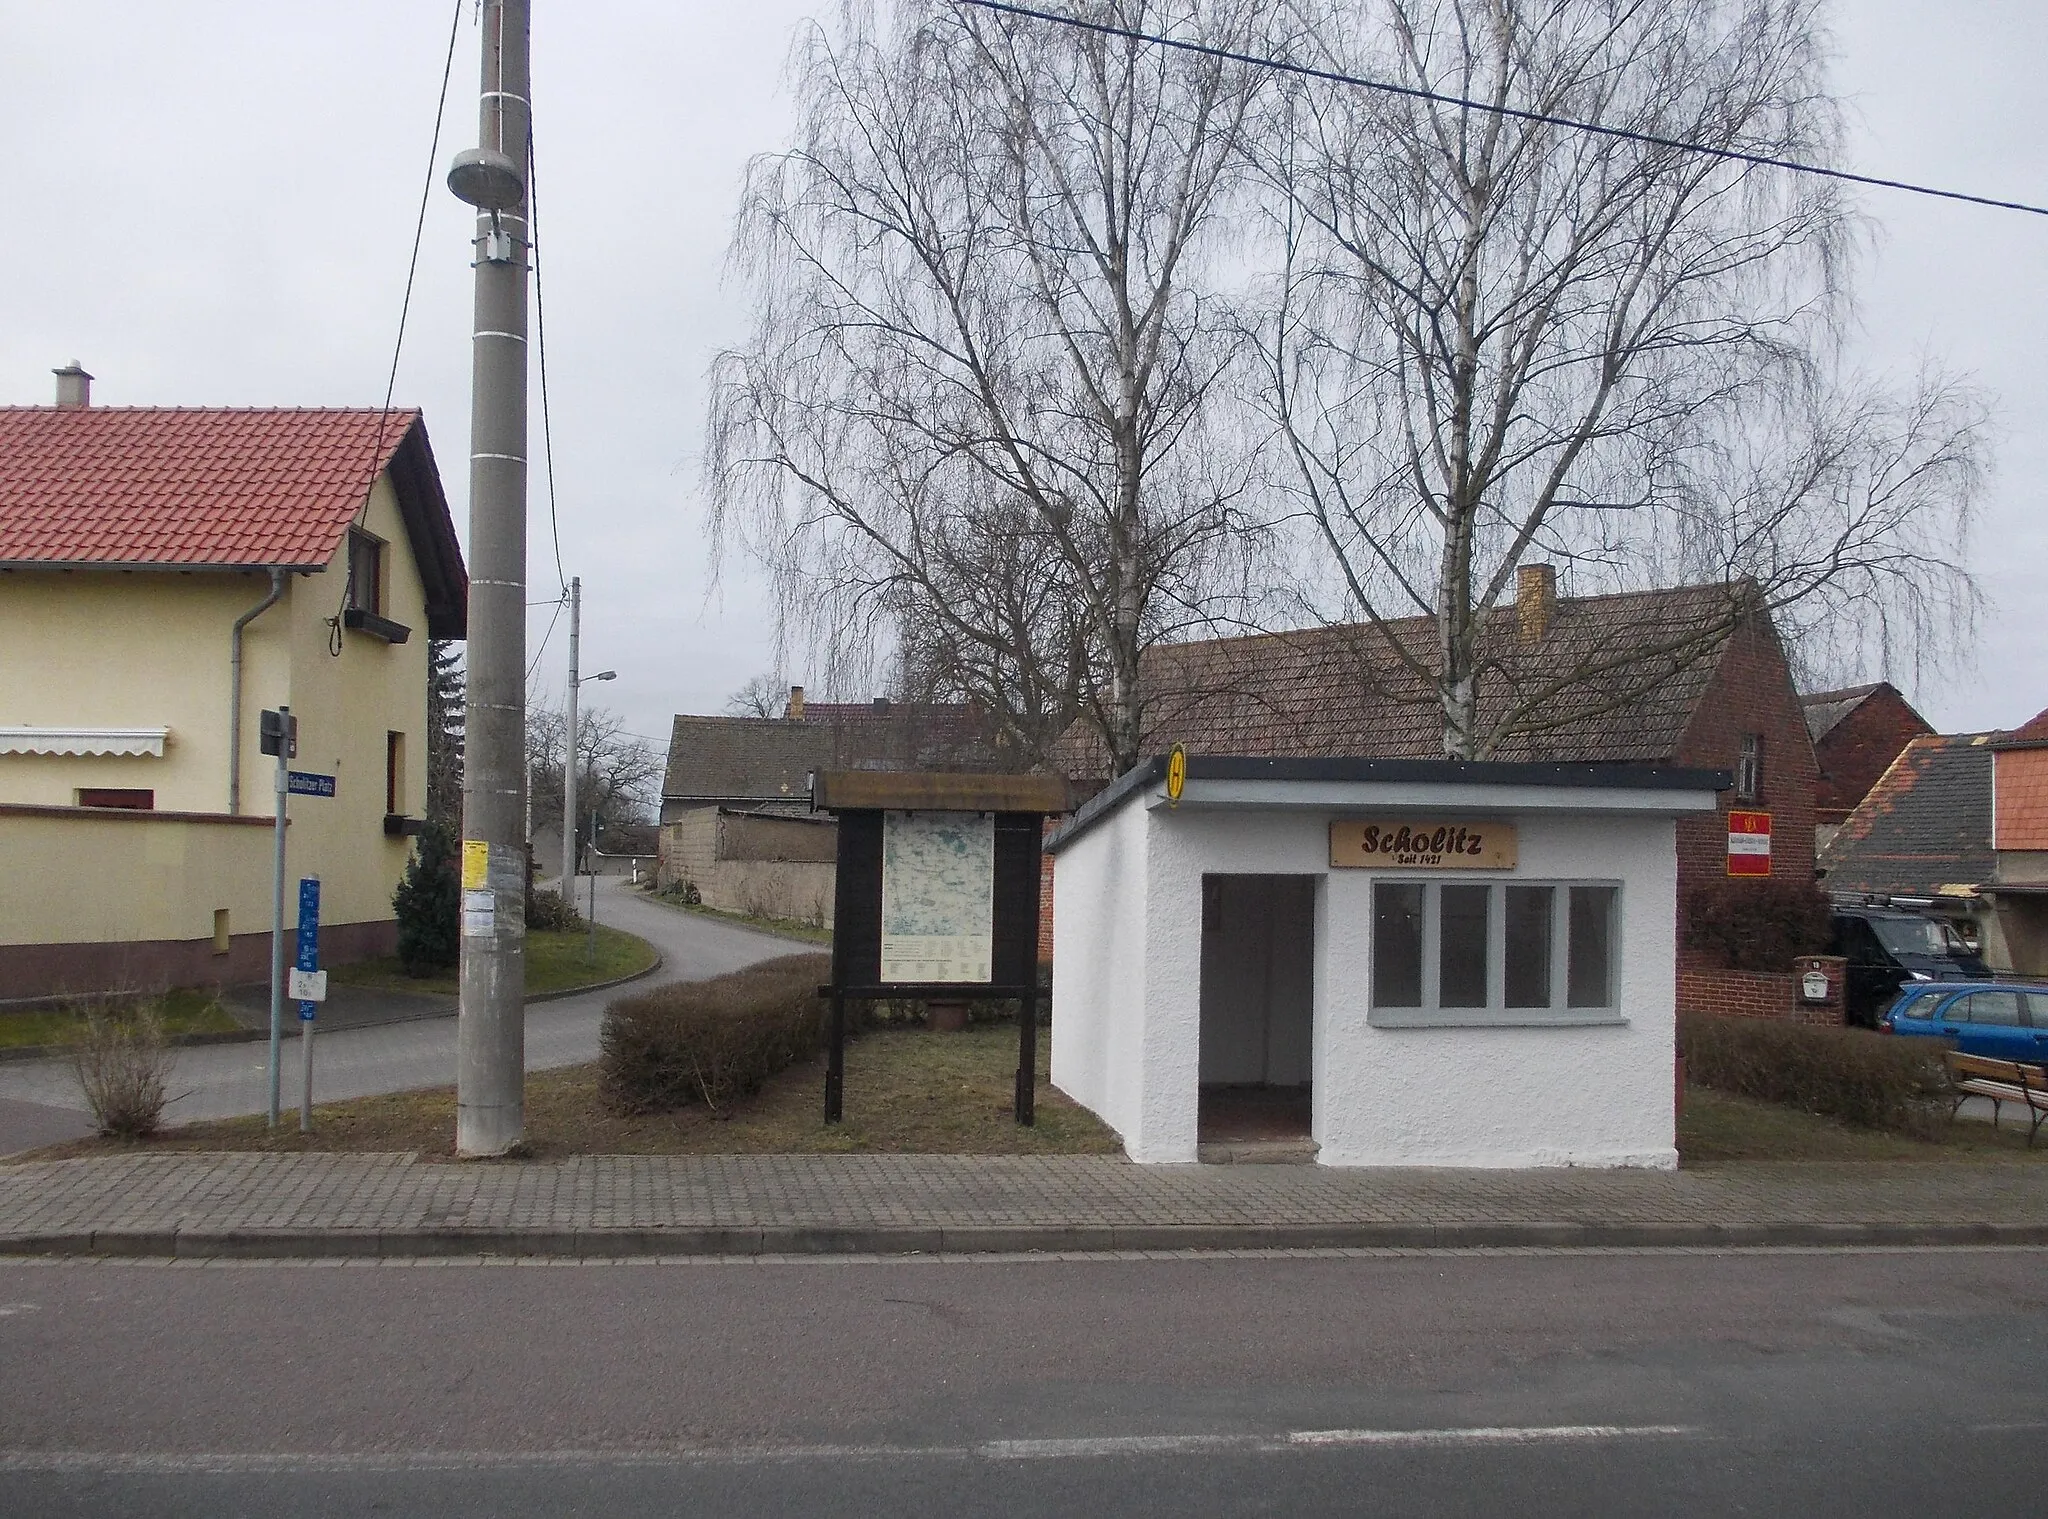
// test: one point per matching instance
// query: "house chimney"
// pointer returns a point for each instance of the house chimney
(795, 710)
(881, 706)
(1535, 600)
(74, 386)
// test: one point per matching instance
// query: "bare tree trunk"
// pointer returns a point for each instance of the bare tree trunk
(1495, 338)
(974, 412)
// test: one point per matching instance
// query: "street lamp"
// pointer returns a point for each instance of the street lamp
(576, 683)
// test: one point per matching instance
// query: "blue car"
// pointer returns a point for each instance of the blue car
(2003, 1022)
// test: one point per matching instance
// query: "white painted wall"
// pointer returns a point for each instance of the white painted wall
(1098, 972)
(1586, 1096)
(1127, 989)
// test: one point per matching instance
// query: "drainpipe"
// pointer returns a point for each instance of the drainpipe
(235, 688)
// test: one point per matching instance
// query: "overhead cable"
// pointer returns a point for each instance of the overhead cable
(1331, 76)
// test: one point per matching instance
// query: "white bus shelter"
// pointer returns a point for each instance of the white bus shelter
(1425, 962)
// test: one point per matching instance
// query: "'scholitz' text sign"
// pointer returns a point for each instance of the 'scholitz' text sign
(307, 783)
(1421, 844)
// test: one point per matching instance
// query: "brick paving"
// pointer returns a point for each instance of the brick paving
(398, 1205)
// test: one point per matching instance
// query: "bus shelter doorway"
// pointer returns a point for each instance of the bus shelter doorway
(1257, 1017)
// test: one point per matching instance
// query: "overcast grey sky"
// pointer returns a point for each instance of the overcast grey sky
(213, 203)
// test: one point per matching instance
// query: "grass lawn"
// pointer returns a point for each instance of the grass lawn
(1718, 1128)
(788, 928)
(185, 1011)
(908, 1091)
(555, 962)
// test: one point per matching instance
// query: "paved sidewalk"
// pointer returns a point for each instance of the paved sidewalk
(396, 1205)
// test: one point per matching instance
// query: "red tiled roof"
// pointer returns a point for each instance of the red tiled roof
(2033, 731)
(163, 486)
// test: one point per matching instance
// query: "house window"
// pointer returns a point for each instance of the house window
(102, 796)
(1460, 953)
(1749, 768)
(365, 573)
(394, 774)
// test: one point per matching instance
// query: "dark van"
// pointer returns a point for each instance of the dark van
(1887, 948)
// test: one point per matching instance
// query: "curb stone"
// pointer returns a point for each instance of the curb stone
(907, 1240)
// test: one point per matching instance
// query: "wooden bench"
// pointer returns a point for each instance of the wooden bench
(2002, 1081)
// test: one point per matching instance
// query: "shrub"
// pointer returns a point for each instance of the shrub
(1865, 1078)
(428, 903)
(123, 1063)
(546, 909)
(1756, 925)
(713, 1041)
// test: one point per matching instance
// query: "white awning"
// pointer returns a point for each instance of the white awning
(18, 740)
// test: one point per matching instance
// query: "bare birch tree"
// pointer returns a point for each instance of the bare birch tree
(978, 410)
(1493, 338)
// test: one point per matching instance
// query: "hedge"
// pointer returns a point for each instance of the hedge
(1878, 1081)
(711, 1042)
(1757, 925)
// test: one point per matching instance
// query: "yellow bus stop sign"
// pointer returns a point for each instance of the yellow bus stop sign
(1176, 775)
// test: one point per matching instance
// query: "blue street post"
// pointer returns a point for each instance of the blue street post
(309, 961)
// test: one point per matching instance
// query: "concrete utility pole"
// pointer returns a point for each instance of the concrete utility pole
(490, 1051)
(569, 763)
(568, 881)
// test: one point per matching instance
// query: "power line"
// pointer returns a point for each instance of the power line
(1279, 65)
(540, 653)
(412, 270)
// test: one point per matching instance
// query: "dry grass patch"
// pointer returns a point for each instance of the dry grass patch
(908, 1092)
(1719, 1128)
(556, 961)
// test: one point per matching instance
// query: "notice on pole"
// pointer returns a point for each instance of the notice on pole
(938, 896)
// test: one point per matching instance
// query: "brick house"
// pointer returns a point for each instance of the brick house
(2019, 842)
(1688, 676)
(1958, 824)
(1857, 732)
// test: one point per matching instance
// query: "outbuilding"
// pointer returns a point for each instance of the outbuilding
(1409, 962)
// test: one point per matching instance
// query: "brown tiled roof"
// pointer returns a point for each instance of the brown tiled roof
(763, 759)
(218, 488)
(1825, 709)
(1926, 823)
(1616, 678)
(2033, 731)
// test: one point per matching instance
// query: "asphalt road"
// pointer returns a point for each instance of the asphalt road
(1581, 1383)
(40, 1102)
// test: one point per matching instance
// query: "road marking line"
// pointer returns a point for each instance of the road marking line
(203, 1463)
(1503, 1435)
(1119, 1445)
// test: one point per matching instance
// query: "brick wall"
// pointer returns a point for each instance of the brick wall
(1763, 994)
(1751, 692)
(1859, 749)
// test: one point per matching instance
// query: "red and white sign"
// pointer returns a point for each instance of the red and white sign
(1749, 843)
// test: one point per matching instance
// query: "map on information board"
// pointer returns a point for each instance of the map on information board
(938, 895)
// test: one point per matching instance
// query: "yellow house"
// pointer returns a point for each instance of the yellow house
(165, 575)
